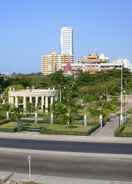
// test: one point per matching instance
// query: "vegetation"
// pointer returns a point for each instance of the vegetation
(29, 182)
(82, 98)
(125, 130)
(67, 130)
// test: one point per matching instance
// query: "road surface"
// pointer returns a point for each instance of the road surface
(63, 165)
(65, 146)
(69, 164)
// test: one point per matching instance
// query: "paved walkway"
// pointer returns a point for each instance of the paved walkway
(58, 180)
(108, 129)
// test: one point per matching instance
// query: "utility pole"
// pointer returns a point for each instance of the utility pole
(121, 97)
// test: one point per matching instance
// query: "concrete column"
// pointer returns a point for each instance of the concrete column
(36, 117)
(30, 99)
(24, 103)
(7, 115)
(51, 101)
(36, 102)
(85, 119)
(16, 101)
(46, 104)
(51, 118)
(42, 103)
(11, 100)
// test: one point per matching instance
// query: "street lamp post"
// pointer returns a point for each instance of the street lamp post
(121, 97)
(29, 168)
(125, 110)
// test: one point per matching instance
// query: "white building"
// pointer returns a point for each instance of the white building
(103, 58)
(74, 68)
(66, 41)
(126, 63)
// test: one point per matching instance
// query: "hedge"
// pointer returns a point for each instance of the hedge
(8, 129)
(45, 130)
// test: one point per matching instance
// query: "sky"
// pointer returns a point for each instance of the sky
(31, 28)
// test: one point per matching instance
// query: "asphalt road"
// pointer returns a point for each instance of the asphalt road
(85, 147)
(68, 166)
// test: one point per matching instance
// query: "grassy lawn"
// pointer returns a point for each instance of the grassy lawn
(57, 129)
(75, 127)
(29, 182)
(68, 130)
(47, 128)
(8, 127)
(126, 129)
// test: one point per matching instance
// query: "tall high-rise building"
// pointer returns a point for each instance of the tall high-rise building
(66, 41)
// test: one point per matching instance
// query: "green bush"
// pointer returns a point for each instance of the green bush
(8, 129)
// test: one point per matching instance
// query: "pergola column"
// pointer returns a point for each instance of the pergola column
(42, 103)
(16, 101)
(11, 100)
(51, 101)
(30, 99)
(24, 103)
(46, 103)
(36, 102)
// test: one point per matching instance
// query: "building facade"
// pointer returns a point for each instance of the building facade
(48, 63)
(54, 62)
(75, 68)
(94, 58)
(66, 41)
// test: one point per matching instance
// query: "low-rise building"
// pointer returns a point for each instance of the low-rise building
(74, 68)
(91, 63)
(54, 62)
(94, 58)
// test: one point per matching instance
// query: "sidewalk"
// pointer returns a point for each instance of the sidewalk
(108, 129)
(37, 136)
(59, 180)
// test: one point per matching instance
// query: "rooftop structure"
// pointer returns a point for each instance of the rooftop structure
(94, 58)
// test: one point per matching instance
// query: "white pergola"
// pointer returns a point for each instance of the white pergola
(45, 97)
